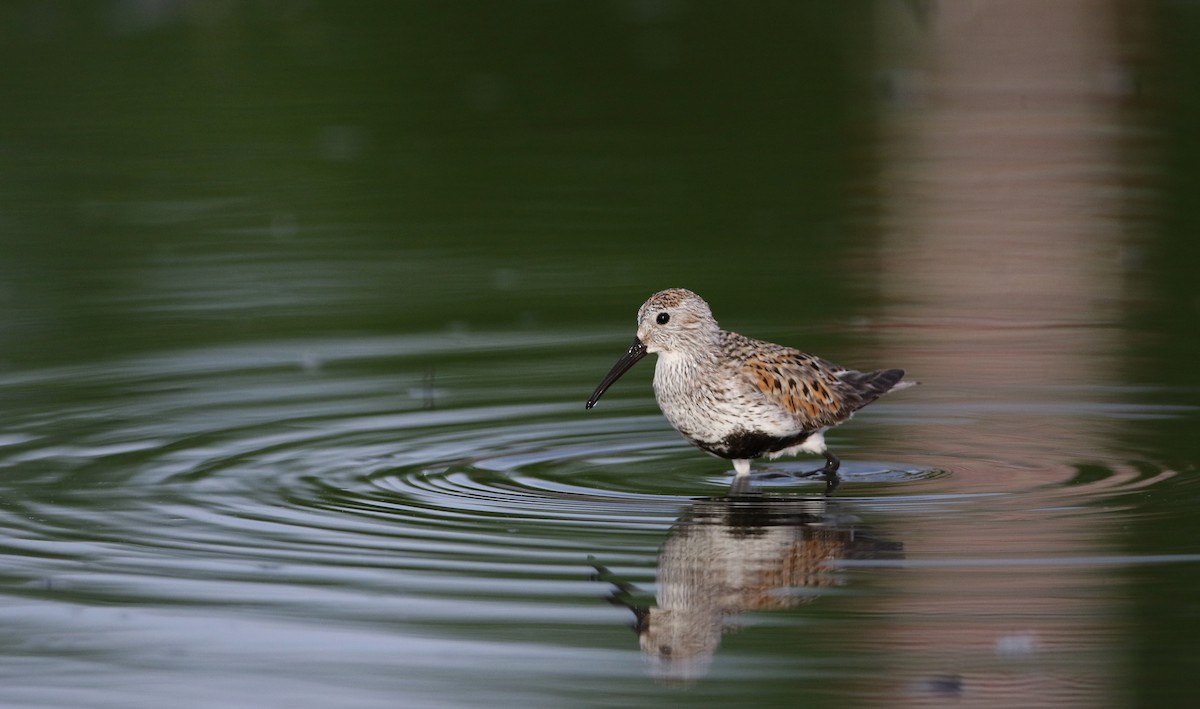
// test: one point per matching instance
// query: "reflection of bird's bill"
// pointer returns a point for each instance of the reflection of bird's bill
(636, 351)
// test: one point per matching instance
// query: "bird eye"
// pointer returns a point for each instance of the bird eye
(662, 318)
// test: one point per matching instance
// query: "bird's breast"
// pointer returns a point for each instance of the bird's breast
(709, 406)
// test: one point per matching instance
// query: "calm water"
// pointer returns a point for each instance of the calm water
(301, 305)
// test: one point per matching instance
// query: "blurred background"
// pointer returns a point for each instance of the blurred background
(175, 169)
(300, 303)
(253, 169)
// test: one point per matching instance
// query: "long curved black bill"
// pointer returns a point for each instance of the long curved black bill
(636, 351)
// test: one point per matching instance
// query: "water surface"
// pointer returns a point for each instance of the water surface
(301, 311)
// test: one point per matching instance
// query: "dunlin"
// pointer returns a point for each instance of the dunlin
(740, 398)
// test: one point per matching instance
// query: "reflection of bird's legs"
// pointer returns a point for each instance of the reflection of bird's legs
(740, 485)
(831, 482)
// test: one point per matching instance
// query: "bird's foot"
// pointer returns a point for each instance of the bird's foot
(745, 478)
(771, 475)
(777, 475)
(832, 479)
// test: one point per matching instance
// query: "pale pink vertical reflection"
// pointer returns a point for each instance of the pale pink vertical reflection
(1000, 265)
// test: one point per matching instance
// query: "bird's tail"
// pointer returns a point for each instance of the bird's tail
(872, 385)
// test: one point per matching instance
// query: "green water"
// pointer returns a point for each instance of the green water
(301, 304)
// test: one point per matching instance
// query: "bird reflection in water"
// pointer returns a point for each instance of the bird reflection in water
(728, 555)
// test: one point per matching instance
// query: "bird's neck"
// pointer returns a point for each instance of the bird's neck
(701, 352)
(687, 365)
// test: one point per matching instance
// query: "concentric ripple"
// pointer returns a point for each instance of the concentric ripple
(339, 489)
(335, 436)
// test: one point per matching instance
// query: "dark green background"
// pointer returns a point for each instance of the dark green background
(187, 175)
(389, 166)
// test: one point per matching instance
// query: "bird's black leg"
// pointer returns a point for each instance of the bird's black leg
(831, 466)
(830, 470)
(831, 463)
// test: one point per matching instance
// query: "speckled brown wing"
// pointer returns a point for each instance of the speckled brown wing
(807, 387)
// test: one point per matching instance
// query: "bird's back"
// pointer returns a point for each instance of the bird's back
(815, 392)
